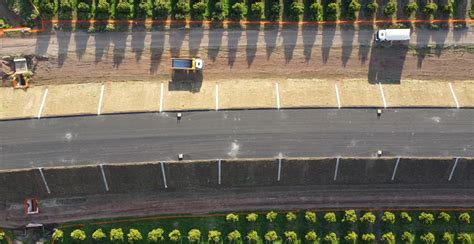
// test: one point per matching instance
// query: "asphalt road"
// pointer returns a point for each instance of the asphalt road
(235, 134)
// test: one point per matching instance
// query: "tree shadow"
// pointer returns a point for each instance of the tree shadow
(290, 35)
(177, 34)
(63, 38)
(81, 38)
(252, 32)
(157, 46)
(216, 31)
(270, 35)
(42, 42)
(386, 63)
(422, 45)
(183, 80)
(196, 33)
(366, 33)
(119, 40)
(138, 39)
(329, 31)
(309, 33)
(347, 35)
(102, 45)
(460, 12)
(234, 31)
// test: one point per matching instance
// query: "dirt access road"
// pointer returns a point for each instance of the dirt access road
(252, 53)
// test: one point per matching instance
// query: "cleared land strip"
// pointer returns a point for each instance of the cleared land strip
(125, 97)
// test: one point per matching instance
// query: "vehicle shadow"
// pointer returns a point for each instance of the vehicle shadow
(183, 80)
(252, 32)
(234, 32)
(386, 63)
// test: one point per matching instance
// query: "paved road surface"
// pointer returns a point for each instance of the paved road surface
(235, 134)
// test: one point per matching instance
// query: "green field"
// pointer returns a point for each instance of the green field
(300, 225)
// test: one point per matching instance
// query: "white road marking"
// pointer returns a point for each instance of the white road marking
(395, 169)
(337, 96)
(217, 97)
(99, 109)
(277, 95)
(383, 95)
(44, 180)
(454, 167)
(161, 98)
(163, 173)
(42, 103)
(219, 172)
(103, 177)
(279, 169)
(337, 167)
(454, 95)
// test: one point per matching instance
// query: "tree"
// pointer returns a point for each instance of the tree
(194, 235)
(350, 216)
(388, 217)
(181, 9)
(47, 8)
(103, 6)
(465, 218)
(445, 217)
(351, 237)
(331, 238)
(257, 11)
(464, 238)
(214, 236)
(98, 235)
(426, 218)
(354, 7)
(2, 235)
(290, 216)
(234, 236)
(407, 237)
(58, 235)
(410, 9)
(330, 217)
(124, 7)
(232, 217)
(315, 12)
(198, 10)
(239, 10)
(388, 238)
(430, 9)
(428, 238)
(144, 9)
(296, 10)
(368, 237)
(219, 13)
(83, 7)
(271, 236)
(333, 10)
(368, 217)
(252, 237)
(251, 217)
(116, 235)
(311, 237)
(406, 217)
(174, 235)
(156, 235)
(275, 11)
(162, 9)
(371, 8)
(448, 238)
(310, 216)
(134, 235)
(271, 216)
(390, 9)
(291, 236)
(448, 8)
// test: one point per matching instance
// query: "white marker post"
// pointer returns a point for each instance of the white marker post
(44, 180)
(277, 95)
(454, 167)
(337, 168)
(383, 95)
(395, 169)
(279, 169)
(217, 97)
(99, 109)
(103, 177)
(163, 173)
(219, 172)
(161, 98)
(454, 95)
(337, 96)
(40, 111)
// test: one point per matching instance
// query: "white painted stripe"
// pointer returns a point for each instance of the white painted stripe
(279, 169)
(44, 180)
(219, 172)
(454, 167)
(99, 109)
(454, 95)
(161, 97)
(395, 169)
(277, 95)
(337, 168)
(42, 103)
(383, 95)
(217, 97)
(337, 96)
(163, 173)
(103, 177)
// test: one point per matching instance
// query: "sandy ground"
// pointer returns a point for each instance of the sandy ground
(307, 93)
(131, 97)
(17, 103)
(464, 93)
(188, 96)
(355, 93)
(247, 94)
(421, 93)
(72, 99)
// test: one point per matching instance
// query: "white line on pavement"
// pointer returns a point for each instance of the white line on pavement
(383, 96)
(337, 96)
(277, 95)
(454, 167)
(219, 172)
(44, 180)
(217, 97)
(395, 169)
(454, 95)
(42, 103)
(99, 109)
(163, 173)
(161, 98)
(279, 169)
(337, 167)
(103, 177)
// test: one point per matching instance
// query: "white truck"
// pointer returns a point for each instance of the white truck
(389, 35)
(190, 64)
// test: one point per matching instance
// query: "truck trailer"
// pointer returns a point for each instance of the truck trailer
(191, 64)
(389, 35)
